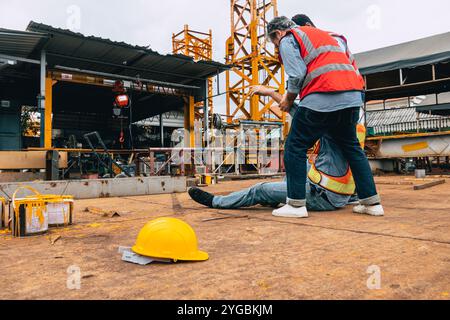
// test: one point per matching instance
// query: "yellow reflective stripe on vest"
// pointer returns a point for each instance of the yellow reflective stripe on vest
(362, 139)
(330, 184)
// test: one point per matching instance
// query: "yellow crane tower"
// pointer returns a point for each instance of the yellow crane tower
(197, 45)
(254, 61)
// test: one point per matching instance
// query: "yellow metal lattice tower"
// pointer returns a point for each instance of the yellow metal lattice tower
(254, 61)
(197, 45)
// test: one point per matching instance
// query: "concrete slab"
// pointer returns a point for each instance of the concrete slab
(103, 188)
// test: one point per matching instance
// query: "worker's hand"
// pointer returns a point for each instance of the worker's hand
(285, 104)
(261, 90)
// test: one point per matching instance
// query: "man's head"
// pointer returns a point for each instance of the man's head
(277, 29)
(303, 20)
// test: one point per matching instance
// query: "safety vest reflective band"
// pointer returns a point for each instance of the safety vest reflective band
(362, 134)
(330, 68)
(340, 185)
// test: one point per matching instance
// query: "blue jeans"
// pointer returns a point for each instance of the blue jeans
(308, 127)
(271, 194)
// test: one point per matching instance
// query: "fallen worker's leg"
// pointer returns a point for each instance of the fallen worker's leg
(266, 194)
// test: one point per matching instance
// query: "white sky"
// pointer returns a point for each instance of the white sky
(368, 24)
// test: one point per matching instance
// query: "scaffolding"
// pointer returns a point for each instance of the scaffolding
(197, 45)
(254, 62)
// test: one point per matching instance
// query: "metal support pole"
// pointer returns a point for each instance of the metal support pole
(152, 163)
(161, 125)
(206, 118)
(206, 115)
(41, 97)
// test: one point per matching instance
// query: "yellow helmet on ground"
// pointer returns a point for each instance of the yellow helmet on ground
(169, 238)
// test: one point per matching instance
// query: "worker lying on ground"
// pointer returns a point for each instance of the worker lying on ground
(330, 184)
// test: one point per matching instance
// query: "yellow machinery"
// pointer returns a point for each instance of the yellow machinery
(197, 45)
(254, 61)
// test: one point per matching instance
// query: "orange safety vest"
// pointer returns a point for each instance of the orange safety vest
(344, 185)
(329, 67)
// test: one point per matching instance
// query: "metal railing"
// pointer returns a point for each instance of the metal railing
(421, 125)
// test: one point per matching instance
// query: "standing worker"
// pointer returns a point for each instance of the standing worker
(323, 72)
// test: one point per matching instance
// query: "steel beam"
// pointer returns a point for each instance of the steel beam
(48, 126)
(14, 58)
(41, 97)
(189, 122)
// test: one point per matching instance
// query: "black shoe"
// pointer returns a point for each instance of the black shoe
(202, 197)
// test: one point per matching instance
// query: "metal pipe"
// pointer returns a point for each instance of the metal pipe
(206, 114)
(117, 76)
(161, 127)
(124, 67)
(409, 85)
(41, 97)
(7, 57)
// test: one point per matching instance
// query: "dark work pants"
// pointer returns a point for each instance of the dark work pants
(308, 127)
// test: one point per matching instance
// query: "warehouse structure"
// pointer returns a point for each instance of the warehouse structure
(408, 102)
(72, 81)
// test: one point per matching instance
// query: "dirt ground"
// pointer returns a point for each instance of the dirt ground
(260, 257)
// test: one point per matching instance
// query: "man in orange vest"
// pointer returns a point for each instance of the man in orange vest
(323, 73)
(330, 184)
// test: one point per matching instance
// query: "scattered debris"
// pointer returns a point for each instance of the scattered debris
(129, 256)
(94, 225)
(429, 184)
(263, 285)
(231, 216)
(395, 183)
(104, 213)
(53, 240)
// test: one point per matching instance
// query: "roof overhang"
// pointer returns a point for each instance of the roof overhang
(74, 50)
(426, 51)
(437, 110)
(20, 44)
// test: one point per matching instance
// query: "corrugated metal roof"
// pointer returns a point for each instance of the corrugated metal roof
(411, 54)
(404, 120)
(19, 43)
(70, 49)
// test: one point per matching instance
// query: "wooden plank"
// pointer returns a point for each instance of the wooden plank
(429, 185)
(17, 160)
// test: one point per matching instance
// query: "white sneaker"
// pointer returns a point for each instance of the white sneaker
(376, 211)
(291, 212)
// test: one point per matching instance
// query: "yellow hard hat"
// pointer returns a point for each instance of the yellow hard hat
(169, 238)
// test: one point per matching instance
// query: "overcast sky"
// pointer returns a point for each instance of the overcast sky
(368, 24)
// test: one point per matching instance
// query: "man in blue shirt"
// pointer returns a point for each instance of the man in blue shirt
(330, 159)
(321, 69)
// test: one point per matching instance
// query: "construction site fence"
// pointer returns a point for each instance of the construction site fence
(213, 161)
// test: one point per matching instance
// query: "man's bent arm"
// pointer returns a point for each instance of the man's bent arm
(294, 65)
(276, 96)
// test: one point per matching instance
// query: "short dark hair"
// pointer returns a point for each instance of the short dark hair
(302, 19)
